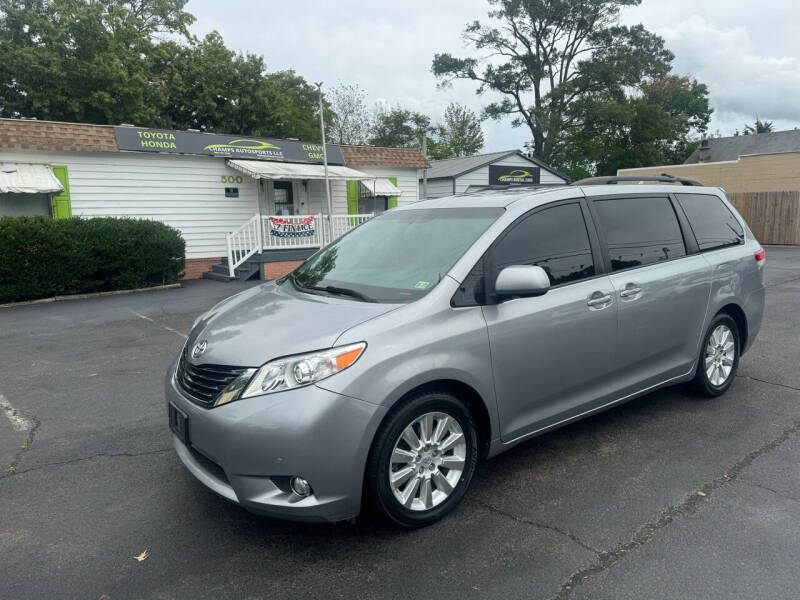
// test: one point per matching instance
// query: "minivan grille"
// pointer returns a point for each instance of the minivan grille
(203, 383)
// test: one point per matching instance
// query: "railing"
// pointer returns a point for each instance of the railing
(276, 232)
(243, 243)
(344, 223)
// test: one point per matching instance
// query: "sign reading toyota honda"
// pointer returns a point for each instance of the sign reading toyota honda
(140, 139)
(499, 175)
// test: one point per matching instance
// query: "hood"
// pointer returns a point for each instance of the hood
(271, 320)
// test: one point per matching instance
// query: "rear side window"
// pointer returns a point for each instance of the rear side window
(712, 222)
(639, 231)
(555, 239)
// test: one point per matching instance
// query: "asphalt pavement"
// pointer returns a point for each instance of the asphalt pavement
(668, 496)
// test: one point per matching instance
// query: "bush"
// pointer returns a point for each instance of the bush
(42, 257)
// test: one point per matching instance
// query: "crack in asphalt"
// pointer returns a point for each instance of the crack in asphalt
(568, 534)
(773, 491)
(85, 458)
(776, 284)
(782, 385)
(690, 505)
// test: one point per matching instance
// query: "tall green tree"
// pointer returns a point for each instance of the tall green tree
(459, 135)
(546, 55)
(399, 128)
(87, 61)
(658, 124)
(134, 61)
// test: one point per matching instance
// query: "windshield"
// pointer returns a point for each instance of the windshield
(397, 257)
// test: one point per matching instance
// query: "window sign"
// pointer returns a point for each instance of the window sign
(514, 176)
(140, 139)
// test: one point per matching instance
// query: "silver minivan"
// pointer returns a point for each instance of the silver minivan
(450, 330)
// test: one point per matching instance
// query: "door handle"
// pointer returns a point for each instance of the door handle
(599, 300)
(629, 291)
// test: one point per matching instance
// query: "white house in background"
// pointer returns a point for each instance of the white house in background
(247, 207)
(510, 168)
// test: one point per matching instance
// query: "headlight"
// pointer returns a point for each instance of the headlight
(302, 369)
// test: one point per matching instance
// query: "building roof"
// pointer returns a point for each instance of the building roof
(453, 167)
(52, 135)
(31, 134)
(378, 156)
(731, 148)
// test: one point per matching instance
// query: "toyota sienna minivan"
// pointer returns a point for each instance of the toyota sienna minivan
(450, 330)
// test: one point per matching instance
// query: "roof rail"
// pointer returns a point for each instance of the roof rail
(614, 179)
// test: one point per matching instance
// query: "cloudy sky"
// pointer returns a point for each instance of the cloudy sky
(748, 54)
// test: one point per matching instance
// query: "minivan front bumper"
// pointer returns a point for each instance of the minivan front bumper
(247, 450)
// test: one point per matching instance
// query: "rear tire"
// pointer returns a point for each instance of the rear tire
(719, 357)
(422, 459)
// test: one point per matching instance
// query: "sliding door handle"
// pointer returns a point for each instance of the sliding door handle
(596, 301)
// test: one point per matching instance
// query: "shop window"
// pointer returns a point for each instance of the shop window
(372, 204)
(25, 205)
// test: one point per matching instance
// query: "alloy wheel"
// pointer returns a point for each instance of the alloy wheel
(427, 461)
(719, 355)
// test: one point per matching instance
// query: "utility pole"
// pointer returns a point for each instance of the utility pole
(425, 171)
(325, 163)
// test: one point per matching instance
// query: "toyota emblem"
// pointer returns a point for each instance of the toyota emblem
(199, 348)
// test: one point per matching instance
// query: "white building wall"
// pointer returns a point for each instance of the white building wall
(186, 192)
(481, 176)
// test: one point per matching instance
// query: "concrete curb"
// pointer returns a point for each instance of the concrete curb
(155, 288)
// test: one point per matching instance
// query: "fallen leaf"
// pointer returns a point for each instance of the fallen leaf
(701, 493)
(142, 556)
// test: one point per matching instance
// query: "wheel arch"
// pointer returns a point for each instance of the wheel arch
(735, 312)
(465, 393)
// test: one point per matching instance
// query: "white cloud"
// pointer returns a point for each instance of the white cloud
(748, 55)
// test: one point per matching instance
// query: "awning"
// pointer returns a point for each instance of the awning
(382, 187)
(259, 169)
(27, 178)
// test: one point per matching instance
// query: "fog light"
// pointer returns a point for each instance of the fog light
(300, 486)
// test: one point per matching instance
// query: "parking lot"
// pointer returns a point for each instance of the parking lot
(668, 496)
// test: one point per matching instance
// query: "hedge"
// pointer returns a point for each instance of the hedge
(42, 257)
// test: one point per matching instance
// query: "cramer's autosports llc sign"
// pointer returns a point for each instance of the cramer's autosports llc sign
(513, 175)
(139, 139)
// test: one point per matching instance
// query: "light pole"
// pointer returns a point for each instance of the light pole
(325, 163)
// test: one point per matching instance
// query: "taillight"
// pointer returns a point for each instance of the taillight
(760, 255)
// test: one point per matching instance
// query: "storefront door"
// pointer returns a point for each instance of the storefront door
(283, 199)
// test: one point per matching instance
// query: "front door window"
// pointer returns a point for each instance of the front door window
(284, 200)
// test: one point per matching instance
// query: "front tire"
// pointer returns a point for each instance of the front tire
(719, 357)
(423, 459)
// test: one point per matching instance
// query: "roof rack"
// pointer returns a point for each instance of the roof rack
(614, 179)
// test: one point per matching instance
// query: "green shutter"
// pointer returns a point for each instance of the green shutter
(393, 199)
(352, 197)
(62, 206)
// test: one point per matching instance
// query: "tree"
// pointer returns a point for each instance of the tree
(134, 61)
(546, 55)
(758, 127)
(75, 60)
(459, 135)
(351, 120)
(399, 128)
(659, 124)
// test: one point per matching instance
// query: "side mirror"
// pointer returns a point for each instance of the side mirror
(521, 280)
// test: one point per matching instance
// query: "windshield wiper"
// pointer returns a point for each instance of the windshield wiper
(331, 289)
(342, 291)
